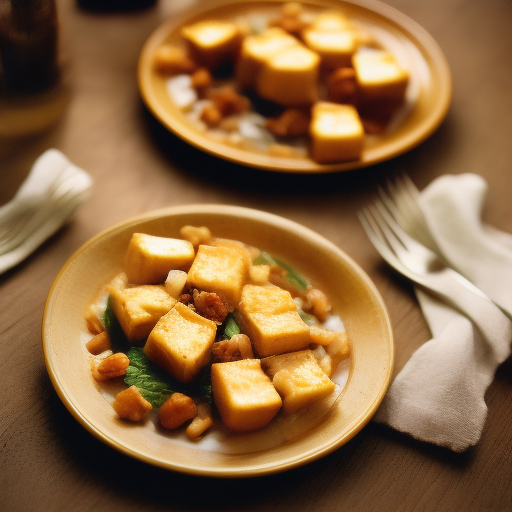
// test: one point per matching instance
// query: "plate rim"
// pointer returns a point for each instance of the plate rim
(421, 39)
(195, 469)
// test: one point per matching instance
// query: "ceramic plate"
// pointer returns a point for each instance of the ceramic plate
(427, 101)
(354, 298)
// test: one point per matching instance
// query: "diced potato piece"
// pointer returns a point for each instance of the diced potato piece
(337, 133)
(256, 49)
(99, 343)
(181, 342)
(270, 318)
(290, 77)
(213, 42)
(139, 308)
(149, 258)
(131, 405)
(334, 47)
(221, 270)
(379, 76)
(244, 395)
(298, 379)
(176, 410)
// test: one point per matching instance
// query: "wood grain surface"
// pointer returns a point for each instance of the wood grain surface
(48, 462)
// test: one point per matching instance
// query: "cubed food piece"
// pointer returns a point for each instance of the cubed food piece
(330, 21)
(221, 270)
(213, 42)
(150, 258)
(337, 133)
(379, 76)
(139, 308)
(270, 318)
(181, 342)
(334, 47)
(290, 77)
(255, 50)
(173, 60)
(240, 247)
(129, 404)
(244, 395)
(298, 379)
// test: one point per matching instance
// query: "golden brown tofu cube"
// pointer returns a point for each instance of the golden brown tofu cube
(336, 132)
(180, 342)
(244, 395)
(213, 42)
(379, 76)
(221, 270)
(256, 49)
(290, 77)
(139, 308)
(298, 379)
(330, 21)
(335, 48)
(149, 258)
(270, 318)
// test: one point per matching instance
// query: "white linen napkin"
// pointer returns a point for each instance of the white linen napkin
(438, 396)
(53, 191)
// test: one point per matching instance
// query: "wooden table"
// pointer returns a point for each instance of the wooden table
(48, 462)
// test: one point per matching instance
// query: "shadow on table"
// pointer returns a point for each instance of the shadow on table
(219, 172)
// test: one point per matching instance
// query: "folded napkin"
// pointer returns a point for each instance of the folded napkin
(47, 199)
(438, 396)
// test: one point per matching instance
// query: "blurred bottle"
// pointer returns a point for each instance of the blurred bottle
(33, 92)
(115, 5)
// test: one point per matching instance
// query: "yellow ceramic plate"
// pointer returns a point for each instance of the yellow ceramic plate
(352, 293)
(428, 95)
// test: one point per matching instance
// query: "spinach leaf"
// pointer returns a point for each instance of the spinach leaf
(230, 327)
(118, 339)
(156, 385)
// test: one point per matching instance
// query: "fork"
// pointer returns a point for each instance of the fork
(422, 266)
(403, 200)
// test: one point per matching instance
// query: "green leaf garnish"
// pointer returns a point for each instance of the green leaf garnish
(292, 276)
(156, 385)
(118, 338)
(231, 327)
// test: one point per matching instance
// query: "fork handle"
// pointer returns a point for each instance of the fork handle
(494, 325)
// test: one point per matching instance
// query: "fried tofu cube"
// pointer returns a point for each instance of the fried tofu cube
(334, 47)
(256, 49)
(290, 77)
(239, 247)
(298, 379)
(149, 258)
(270, 318)
(180, 342)
(379, 76)
(330, 21)
(139, 308)
(244, 395)
(221, 270)
(213, 42)
(336, 132)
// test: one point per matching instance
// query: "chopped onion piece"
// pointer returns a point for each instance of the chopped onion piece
(181, 91)
(176, 280)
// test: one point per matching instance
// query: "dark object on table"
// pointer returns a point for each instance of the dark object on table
(29, 35)
(115, 5)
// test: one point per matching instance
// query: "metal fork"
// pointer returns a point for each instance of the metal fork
(403, 200)
(424, 267)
